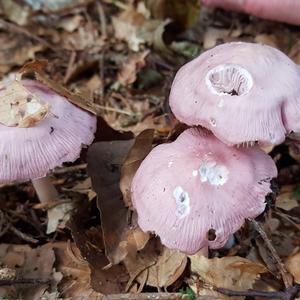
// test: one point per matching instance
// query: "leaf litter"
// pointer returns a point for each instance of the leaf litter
(117, 59)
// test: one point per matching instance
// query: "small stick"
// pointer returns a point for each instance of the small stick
(155, 296)
(23, 281)
(289, 294)
(285, 275)
(23, 235)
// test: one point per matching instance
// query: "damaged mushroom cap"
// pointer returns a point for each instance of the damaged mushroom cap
(242, 92)
(197, 191)
(29, 153)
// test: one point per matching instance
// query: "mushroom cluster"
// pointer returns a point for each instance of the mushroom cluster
(198, 190)
(39, 130)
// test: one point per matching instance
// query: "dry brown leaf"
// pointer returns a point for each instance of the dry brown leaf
(267, 39)
(134, 26)
(286, 201)
(288, 197)
(130, 68)
(16, 50)
(213, 36)
(140, 149)
(29, 263)
(104, 163)
(169, 267)
(155, 265)
(104, 277)
(76, 272)
(293, 266)
(235, 273)
(21, 108)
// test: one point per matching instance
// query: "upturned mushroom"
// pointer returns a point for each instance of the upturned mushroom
(39, 131)
(196, 191)
(243, 92)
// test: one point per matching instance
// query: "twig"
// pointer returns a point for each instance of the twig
(102, 20)
(70, 67)
(285, 275)
(23, 281)
(155, 296)
(290, 293)
(287, 218)
(22, 235)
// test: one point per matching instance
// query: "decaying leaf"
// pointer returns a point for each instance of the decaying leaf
(235, 273)
(141, 147)
(287, 198)
(293, 266)
(155, 265)
(134, 26)
(21, 108)
(76, 282)
(104, 277)
(130, 68)
(104, 163)
(29, 263)
(16, 50)
(120, 233)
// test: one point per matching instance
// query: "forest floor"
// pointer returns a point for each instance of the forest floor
(123, 56)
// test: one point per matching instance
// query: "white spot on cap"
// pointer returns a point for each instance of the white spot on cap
(195, 173)
(212, 122)
(182, 202)
(213, 173)
(170, 163)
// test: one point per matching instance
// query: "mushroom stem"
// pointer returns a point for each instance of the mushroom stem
(45, 189)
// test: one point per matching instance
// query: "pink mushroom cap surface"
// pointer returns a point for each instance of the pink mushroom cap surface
(242, 92)
(29, 153)
(195, 185)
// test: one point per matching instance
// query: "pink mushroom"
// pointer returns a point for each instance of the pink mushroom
(287, 11)
(242, 92)
(30, 153)
(197, 186)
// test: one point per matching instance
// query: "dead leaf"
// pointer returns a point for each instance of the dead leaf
(214, 36)
(16, 50)
(130, 68)
(15, 12)
(58, 216)
(104, 163)
(267, 39)
(135, 27)
(155, 265)
(29, 263)
(21, 108)
(104, 277)
(235, 273)
(76, 272)
(140, 149)
(293, 266)
(288, 200)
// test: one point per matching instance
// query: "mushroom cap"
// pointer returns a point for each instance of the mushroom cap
(242, 92)
(29, 153)
(197, 185)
